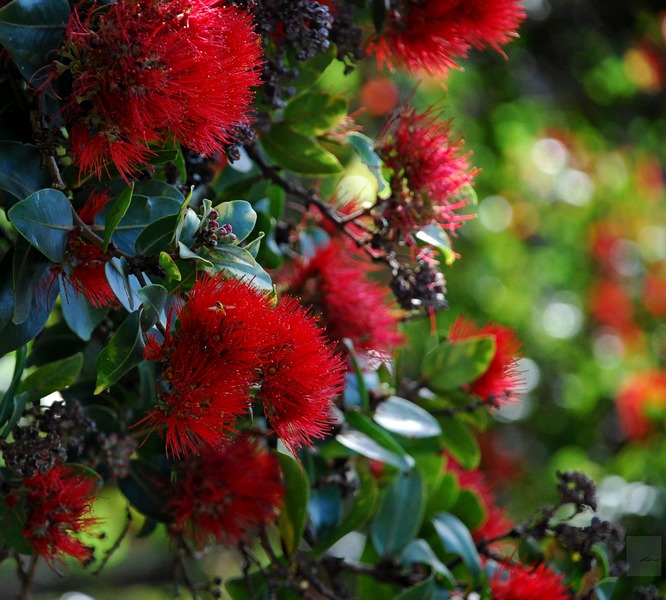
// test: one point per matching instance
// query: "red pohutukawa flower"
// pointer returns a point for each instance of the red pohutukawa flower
(334, 282)
(301, 376)
(223, 495)
(57, 506)
(641, 403)
(538, 583)
(208, 363)
(433, 34)
(142, 70)
(502, 380)
(429, 174)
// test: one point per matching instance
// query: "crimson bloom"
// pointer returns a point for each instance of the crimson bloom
(57, 507)
(538, 583)
(224, 494)
(501, 381)
(641, 401)
(208, 363)
(142, 70)
(301, 376)
(429, 174)
(334, 282)
(433, 34)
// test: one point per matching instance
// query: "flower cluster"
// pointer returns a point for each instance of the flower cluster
(230, 343)
(538, 583)
(429, 175)
(57, 507)
(226, 493)
(433, 34)
(501, 381)
(142, 71)
(334, 281)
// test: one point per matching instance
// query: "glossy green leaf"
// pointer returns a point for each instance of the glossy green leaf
(400, 514)
(457, 539)
(188, 224)
(444, 497)
(460, 442)
(80, 316)
(115, 213)
(299, 153)
(294, 514)
(12, 521)
(21, 173)
(7, 403)
(18, 408)
(29, 266)
(366, 446)
(238, 263)
(311, 70)
(142, 487)
(375, 432)
(123, 284)
(52, 377)
(123, 352)
(419, 340)
(240, 215)
(453, 364)
(364, 147)
(470, 510)
(45, 220)
(605, 588)
(31, 31)
(406, 418)
(436, 237)
(153, 300)
(158, 236)
(359, 384)
(169, 265)
(424, 590)
(419, 551)
(186, 254)
(254, 587)
(314, 113)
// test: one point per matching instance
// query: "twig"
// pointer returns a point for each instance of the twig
(26, 576)
(40, 132)
(116, 544)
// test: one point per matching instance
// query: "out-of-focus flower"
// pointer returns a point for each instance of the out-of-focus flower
(654, 295)
(301, 376)
(433, 34)
(640, 401)
(57, 507)
(527, 583)
(610, 304)
(502, 380)
(380, 95)
(335, 283)
(429, 174)
(208, 363)
(224, 494)
(143, 70)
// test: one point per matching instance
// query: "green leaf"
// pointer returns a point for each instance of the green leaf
(419, 340)
(51, 377)
(11, 527)
(143, 490)
(123, 284)
(81, 316)
(444, 497)
(45, 220)
(240, 215)
(311, 70)
(19, 401)
(21, 172)
(364, 147)
(238, 263)
(169, 265)
(457, 539)
(314, 113)
(31, 31)
(470, 510)
(460, 442)
(186, 254)
(115, 213)
(605, 588)
(359, 379)
(406, 418)
(437, 237)
(299, 153)
(424, 590)
(364, 503)
(237, 587)
(158, 236)
(294, 514)
(453, 364)
(7, 403)
(153, 299)
(400, 514)
(419, 552)
(123, 352)
(379, 14)
(366, 446)
(29, 265)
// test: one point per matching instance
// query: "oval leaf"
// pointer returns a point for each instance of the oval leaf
(153, 299)
(457, 539)
(21, 173)
(366, 446)
(406, 418)
(116, 211)
(52, 377)
(240, 215)
(460, 442)
(295, 510)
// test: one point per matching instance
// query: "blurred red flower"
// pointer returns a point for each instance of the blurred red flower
(224, 494)
(538, 583)
(502, 380)
(335, 283)
(208, 363)
(143, 70)
(610, 304)
(429, 174)
(433, 34)
(640, 402)
(57, 506)
(302, 375)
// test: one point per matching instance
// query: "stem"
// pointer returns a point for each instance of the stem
(40, 133)
(116, 544)
(26, 576)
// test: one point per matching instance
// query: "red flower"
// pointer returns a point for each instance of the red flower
(501, 381)
(640, 401)
(433, 34)
(226, 493)
(334, 283)
(301, 376)
(209, 363)
(429, 174)
(58, 504)
(610, 304)
(539, 583)
(142, 70)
